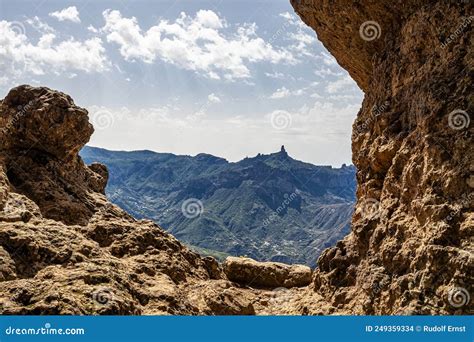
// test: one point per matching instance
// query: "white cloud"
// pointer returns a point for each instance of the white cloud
(323, 120)
(213, 98)
(287, 15)
(39, 25)
(4, 80)
(340, 84)
(92, 29)
(328, 67)
(21, 57)
(327, 58)
(283, 92)
(125, 116)
(276, 75)
(292, 19)
(325, 72)
(303, 42)
(70, 13)
(303, 38)
(194, 43)
(280, 93)
(345, 97)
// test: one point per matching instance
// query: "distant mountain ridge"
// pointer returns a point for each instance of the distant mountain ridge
(269, 207)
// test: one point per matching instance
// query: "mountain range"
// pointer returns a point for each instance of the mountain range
(268, 207)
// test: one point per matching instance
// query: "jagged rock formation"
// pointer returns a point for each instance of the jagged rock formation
(65, 250)
(410, 250)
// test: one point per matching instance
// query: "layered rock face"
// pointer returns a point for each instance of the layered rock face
(410, 249)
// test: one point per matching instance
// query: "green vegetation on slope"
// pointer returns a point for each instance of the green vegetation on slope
(269, 207)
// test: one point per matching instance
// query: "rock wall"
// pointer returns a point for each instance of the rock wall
(410, 249)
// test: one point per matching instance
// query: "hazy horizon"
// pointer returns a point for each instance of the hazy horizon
(228, 160)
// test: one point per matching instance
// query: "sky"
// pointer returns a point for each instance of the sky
(232, 78)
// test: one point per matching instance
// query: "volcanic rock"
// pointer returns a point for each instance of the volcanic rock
(249, 272)
(410, 249)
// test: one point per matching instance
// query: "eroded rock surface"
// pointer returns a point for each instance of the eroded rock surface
(410, 249)
(65, 250)
(249, 272)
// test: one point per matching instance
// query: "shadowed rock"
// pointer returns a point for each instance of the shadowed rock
(43, 120)
(410, 249)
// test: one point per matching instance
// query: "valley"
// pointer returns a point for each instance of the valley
(268, 207)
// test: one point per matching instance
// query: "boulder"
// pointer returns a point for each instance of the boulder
(249, 272)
